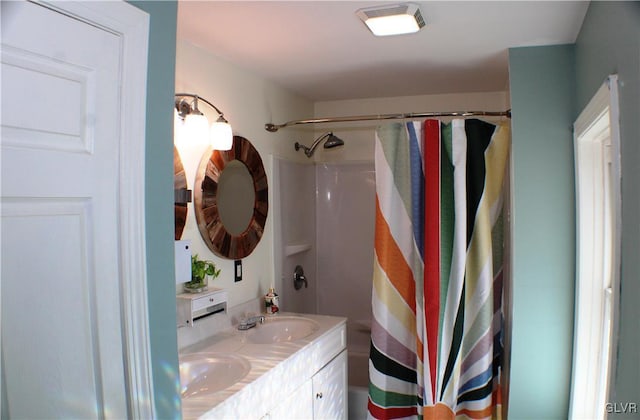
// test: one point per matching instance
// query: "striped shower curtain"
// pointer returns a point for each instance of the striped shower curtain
(436, 336)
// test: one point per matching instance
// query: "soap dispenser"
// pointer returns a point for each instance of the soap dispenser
(271, 302)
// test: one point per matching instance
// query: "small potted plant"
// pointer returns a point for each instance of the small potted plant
(200, 269)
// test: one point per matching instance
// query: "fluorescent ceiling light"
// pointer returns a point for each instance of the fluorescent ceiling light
(394, 19)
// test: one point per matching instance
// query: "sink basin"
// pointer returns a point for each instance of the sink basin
(282, 328)
(203, 374)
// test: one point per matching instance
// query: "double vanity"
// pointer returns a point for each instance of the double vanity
(285, 366)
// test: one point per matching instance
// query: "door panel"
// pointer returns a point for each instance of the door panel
(330, 390)
(54, 89)
(37, 323)
(296, 406)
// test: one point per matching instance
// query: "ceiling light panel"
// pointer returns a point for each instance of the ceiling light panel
(394, 19)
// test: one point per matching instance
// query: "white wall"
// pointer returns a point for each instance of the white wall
(248, 102)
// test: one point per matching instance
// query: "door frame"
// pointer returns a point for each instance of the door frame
(596, 302)
(131, 25)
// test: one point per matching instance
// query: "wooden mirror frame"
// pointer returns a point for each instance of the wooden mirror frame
(181, 194)
(211, 228)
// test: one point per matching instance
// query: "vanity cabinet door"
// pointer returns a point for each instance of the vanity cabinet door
(330, 390)
(296, 406)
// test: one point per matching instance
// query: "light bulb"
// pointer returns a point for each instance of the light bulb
(221, 135)
(178, 128)
(196, 128)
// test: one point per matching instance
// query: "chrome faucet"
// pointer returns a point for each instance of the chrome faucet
(251, 322)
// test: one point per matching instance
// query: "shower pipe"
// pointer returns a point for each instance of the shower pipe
(412, 115)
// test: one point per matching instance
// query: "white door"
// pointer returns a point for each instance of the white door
(297, 406)
(64, 348)
(330, 390)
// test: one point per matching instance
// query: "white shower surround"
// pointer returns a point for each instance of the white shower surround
(327, 226)
(345, 217)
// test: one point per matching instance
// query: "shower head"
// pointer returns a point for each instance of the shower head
(332, 141)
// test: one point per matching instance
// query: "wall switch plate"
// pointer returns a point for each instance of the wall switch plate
(237, 270)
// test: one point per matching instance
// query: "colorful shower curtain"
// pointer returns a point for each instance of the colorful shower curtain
(436, 336)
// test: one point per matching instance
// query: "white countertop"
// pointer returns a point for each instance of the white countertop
(277, 369)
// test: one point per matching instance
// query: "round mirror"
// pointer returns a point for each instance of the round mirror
(231, 199)
(236, 197)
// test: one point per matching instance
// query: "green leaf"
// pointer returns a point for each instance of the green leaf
(202, 268)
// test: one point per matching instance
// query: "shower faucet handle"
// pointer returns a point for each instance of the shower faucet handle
(299, 278)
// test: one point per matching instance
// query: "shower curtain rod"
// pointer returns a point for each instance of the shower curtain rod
(412, 115)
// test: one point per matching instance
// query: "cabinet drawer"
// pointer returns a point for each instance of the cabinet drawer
(192, 306)
(203, 302)
(331, 345)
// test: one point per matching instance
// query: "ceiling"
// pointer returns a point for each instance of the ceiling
(322, 51)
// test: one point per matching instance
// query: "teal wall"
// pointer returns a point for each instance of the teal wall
(159, 205)
(609, 42)
(549, 88)
(542, 105)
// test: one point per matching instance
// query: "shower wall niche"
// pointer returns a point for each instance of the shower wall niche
(326, 225)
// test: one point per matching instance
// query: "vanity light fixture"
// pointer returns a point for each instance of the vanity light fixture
(219, 134)
(396, 19)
